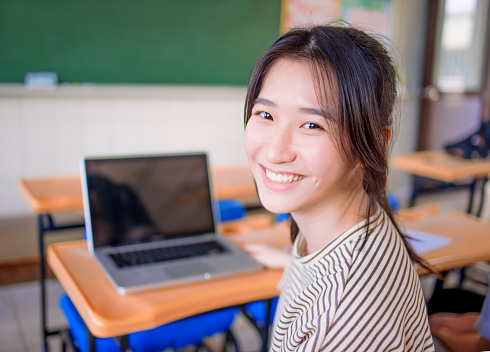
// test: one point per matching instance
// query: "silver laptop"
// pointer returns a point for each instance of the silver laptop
(150, 222)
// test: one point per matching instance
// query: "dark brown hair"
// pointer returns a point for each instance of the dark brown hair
(355, 81)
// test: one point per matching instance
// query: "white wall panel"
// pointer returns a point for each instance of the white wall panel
(45, 133)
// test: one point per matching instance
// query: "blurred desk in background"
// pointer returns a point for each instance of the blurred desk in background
(469, 236)
(60, 194)
(440, 166)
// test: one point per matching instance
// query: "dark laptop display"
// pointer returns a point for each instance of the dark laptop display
(148, 199)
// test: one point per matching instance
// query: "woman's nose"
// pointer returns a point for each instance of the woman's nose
(280, 148)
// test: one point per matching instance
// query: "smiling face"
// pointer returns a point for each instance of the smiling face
(290, 146)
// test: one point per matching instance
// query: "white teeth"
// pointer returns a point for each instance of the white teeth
(282, 178)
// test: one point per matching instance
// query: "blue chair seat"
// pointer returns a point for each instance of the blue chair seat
(256, 310)
(393, 201)
(176, 335)
(230, 209)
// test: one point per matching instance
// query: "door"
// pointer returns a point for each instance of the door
(455, 95)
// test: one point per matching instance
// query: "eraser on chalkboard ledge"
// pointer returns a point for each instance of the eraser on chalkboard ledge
(47, 80)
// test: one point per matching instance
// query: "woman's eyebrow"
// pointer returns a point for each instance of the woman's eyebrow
(304, 110)
(312, 111)
(265, 102)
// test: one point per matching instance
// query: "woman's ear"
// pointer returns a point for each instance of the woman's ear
(387, 135)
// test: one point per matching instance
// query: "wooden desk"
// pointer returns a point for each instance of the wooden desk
(470, 239)
(106, 313)
(47, 196)
(441, 166)
(53, 194)
(234, 182)
(60, 194)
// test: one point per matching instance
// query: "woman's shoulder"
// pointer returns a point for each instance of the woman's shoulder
(344, 246)
(377, 248)
(379, 231)
(382, 253)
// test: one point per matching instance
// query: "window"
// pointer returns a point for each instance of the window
(460, 55)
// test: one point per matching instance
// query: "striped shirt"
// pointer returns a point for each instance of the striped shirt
(349, 297)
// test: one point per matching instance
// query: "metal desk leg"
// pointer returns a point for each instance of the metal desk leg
(122, 342)
(266, 326)
(43, 224)
(417, 182)
(473, 188)
(440, 282)
(46, 224)
(90, 340)
(482, 197)
(472, 196)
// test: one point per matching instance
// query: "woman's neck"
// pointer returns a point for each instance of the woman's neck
(319, 227)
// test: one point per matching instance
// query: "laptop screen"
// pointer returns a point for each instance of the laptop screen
(150, 198)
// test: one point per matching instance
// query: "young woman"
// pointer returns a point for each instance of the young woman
(318, 119)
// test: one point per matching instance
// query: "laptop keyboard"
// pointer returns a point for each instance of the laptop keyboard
(156, 255)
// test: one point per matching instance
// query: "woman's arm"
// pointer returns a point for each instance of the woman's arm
(268, 256)
(455, 322)
(458, 332)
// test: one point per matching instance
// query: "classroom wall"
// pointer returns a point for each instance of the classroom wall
(45, 133)
(409, 49)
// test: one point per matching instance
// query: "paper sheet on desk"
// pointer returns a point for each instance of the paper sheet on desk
(424, 242)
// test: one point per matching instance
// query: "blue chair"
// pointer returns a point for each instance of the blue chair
(230, 209)
(393, 202)
(176, 335)
(255, 312)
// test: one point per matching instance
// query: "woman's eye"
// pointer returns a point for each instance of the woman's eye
(265, 115)
(311, 126)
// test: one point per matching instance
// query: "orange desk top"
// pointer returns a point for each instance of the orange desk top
(106, 313)
(59, 194)
(233, 182)
(439, 165)
(54, 194)
(470, 239)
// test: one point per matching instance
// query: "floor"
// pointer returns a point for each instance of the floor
(20, 313)
(20, 321)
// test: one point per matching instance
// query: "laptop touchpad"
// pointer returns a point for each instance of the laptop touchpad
(191, 269)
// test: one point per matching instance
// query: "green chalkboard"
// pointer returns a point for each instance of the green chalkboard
(136, 41)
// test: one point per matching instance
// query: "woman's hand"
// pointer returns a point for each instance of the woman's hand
(268, 256)
(455, 322)
(458, 332)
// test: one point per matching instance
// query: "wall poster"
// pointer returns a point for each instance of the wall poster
(371, 15)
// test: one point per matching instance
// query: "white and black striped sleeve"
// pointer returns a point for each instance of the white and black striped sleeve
(353, 295)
